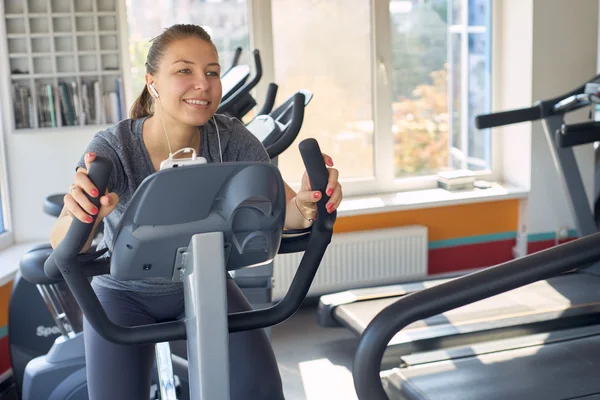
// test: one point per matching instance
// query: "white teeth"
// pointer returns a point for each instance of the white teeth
(198, 102)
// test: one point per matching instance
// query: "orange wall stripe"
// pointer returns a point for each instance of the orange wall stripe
(4, 297)
(448, 222)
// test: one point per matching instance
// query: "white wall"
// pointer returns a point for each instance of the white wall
(40, 164)
(557, 53)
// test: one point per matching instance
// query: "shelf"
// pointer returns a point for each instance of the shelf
(64, 63)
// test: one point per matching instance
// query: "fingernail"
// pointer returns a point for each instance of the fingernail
(330, 163)
(329, 192)
(88, 155)
(317, 195)
(329, 207)
(94, 211)
(94, 192)
(89, 219)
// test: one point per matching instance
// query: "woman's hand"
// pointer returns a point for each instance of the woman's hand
(306, 198)
(76, 202)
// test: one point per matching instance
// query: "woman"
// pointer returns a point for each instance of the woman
(176, 110)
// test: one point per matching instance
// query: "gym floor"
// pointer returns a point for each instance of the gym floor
(315, 362)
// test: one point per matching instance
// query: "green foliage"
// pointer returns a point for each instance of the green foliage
(421, 128)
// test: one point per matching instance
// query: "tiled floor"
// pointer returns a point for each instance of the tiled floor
(315, 362)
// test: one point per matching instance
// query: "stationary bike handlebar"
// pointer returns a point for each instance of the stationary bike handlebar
(65, 260)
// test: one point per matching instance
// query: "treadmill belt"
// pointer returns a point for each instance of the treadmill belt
(564, 296)
(556, 371)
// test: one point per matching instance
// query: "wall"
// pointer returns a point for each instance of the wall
(40, 164)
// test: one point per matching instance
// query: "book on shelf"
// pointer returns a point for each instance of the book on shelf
(68, 103)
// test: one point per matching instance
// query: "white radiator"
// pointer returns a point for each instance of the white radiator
(359, 259)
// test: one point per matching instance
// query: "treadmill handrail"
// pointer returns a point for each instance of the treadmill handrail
(578, 134)
(457, 293)
(538, 110)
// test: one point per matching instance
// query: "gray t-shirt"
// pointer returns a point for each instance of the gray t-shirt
(122, 143)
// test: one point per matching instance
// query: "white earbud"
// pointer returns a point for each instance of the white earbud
(152, 90)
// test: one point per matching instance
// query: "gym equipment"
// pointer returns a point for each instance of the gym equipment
(232, 217)
(555, 365)
(35, 335)
(556, 303)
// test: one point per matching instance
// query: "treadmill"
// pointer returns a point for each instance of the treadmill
(571, 299)
(553, 365)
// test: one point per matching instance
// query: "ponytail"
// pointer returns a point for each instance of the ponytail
(142, 106)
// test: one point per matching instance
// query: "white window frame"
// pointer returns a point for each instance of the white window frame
(384, 180)
(6, 237)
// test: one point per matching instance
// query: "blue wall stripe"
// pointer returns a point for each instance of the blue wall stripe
(493, 237)
(540, 237)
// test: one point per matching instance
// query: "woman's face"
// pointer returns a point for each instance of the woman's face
(188, 81)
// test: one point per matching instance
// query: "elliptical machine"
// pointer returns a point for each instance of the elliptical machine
(233, 217)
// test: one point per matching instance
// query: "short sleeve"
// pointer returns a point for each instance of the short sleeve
(249, 147)
(102, 147)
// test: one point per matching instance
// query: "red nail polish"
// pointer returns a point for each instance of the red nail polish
(94, 192)
(94, 211)
(89, 219)
(317, 195)
(88, 155)
(329, 192)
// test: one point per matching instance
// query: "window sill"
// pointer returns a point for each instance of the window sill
(426, 199)
(10, 258)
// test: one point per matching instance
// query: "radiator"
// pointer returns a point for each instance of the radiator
(359, 259)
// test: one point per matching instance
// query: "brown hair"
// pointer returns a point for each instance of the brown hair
(142, 107)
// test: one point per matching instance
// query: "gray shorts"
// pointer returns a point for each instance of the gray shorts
(117, 371)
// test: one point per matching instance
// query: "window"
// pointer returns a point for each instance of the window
(396, 88)
(325, 47)
(2, 227)
(226, 21)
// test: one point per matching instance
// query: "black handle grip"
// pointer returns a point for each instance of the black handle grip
(319, 176)
(293, 129)
(578, 134)
(236, 56)
(269, 99)
(507, 117)
(79, 232)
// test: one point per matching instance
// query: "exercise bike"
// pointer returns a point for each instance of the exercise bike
(63, 355)
(232, 217)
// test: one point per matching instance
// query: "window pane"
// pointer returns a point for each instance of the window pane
(479, 99)
(325, 47)
(479, 12)
(420, 92)
(225, 21)
(457, 148)
(437, 90)
(455, 11)
(2, 229)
